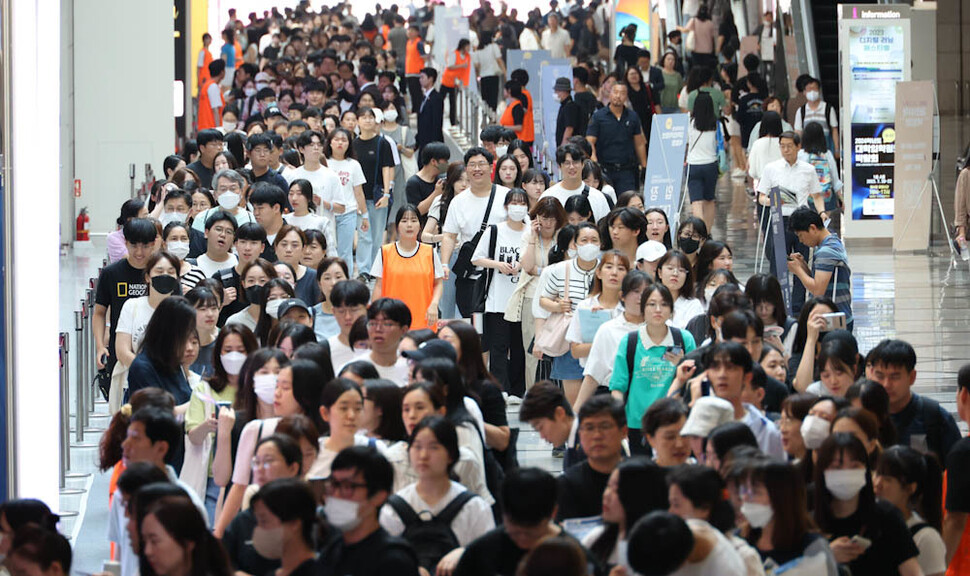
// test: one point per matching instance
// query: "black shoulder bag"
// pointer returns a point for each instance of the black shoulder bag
(463, 268)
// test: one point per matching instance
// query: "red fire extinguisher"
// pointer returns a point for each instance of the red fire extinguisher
(83, 234)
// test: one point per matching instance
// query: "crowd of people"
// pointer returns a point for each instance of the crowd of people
(312, 332)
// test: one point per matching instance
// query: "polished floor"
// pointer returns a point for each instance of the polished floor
(921, 298)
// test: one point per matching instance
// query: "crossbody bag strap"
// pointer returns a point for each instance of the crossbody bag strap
(488, 210)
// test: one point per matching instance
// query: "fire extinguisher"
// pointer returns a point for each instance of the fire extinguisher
(83, 234)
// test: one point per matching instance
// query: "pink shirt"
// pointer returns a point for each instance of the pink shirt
(116, 246)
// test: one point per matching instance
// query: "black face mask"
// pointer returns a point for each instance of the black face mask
(165, 284)
(254, 294)
(689, 245)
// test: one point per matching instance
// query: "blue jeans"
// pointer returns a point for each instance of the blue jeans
(346, 224)
(447, 305)
(370, 242)
(211, 498)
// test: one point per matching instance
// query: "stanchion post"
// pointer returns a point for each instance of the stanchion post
(85, 363)
(65, 409)
(89, 350)
(79, 409)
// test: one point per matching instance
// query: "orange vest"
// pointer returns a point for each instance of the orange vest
(384, 30)
(527, 134)
(414, 62)
(239, 54)
(529, 117)
(204, 71)
(206, 118)
(410, 280)
(960, 565)
(449, 77)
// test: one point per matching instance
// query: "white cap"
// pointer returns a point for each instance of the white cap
(651, 251)
(708, 413)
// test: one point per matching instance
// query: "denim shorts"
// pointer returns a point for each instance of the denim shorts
(702, 182)
(566, 367)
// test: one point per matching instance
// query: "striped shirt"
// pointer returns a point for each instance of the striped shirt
(830, 256)
(579, 282)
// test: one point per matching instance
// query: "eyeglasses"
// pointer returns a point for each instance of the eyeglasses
(570, 163)
(264, 464)
(674, 270)
(693, 236)
(601, 427)
(383, 325)
(477, 165)
(347, 311)
(332, 486)
(222, 231)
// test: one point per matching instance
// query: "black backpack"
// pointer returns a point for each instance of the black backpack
(431, 539)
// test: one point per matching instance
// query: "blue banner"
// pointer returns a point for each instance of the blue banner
(552, 68)
(665, 165)
(777, 231)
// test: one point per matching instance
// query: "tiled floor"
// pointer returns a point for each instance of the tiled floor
(920, 298)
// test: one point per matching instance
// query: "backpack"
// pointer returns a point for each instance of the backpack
(585, 194)
(821, 164)
(828, 109)
(431, 539)
(632, 339)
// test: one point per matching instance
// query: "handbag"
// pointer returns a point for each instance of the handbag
(723, 165)
(463, 268)
(552, 339)
(195, 467)
(484, 282)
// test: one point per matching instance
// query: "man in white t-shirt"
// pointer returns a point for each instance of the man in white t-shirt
(556, 40)
(388, 320)
(326, 184)
(220, 229)
(570, 159)
(349, 299)
(466, 214)
(817, 110)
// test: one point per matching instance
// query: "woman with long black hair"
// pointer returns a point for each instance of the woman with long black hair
(159, 363)
(702, 158)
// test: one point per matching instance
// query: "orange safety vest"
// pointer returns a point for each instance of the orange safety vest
(239, 54)
(449, 77)
(204, 71)
(527, 134)
(410, 280)
(529, 117)
(384, 30)
(414, 62)
(206, 118)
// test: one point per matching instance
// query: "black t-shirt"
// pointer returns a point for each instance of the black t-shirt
(958, 475)
(892, 543)
(569, 115)
(626, 56)
(117, 283)
(581, 492)
(367, 156)
(495, 554)
(924, 417)
(205, 174)
(588, 104)
(775, 394)
(238, 541)
(380, 554)
(492, 404)
(416, 189)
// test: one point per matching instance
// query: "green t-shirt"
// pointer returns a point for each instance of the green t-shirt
(652, 374)
(716, 95)
(199, 410)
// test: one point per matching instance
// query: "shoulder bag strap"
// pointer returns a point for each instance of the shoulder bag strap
(377, 166)
(488, 209)
(490, 272)
(454, 507)
(678, 337)
(632, 339)
(565, 284)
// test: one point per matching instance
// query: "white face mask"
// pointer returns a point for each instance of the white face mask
(268, 542)
(812, 95)
(342, 514)
(845, 484)
(265, 387)
(178, 249)
(588, 252)
(228, 126)
(249, 92)
(571, 252)
(232, 362)
(557, 97)
(168, 217)
(709, 293)
(758, 515)
(501, 150)
(814, 431)
(518, 212)
(229, 200)
(390, 115)
(273, 308)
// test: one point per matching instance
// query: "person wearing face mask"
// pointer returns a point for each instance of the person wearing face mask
(868, 536)
(773, 501)
(176, 206)
(360, 482)
(570, 119)
(274, 294)
(276, 524)
(566, 285)
(205, 421)
(158, 363)
(176, 237)
(252, 280)
(817, 110)
(498, 251)
(229, 188)
(691, 235)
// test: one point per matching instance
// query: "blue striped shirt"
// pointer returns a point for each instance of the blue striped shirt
(830, 256)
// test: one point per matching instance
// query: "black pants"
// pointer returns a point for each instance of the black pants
(489, 89)
(638, 443)
(623, 180)
(791, 245)
(705, 60)
(417, 95)
(506, 355)
(452, 94)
